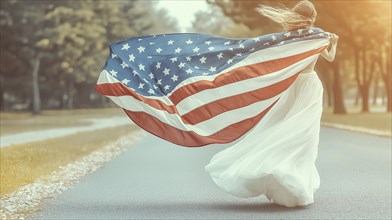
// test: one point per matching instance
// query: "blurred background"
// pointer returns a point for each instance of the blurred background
(53, 51)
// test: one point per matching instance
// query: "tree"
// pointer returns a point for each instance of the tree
(354, 23)
(215, 22)
(244, 12)
(21, 19)
(357, 24)
(65, 44)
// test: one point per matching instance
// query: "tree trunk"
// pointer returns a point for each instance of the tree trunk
(364, 87)
(387, 83)
(365, 98)
(364, 84)
(2, 94)
(36, 96)
(375, 91)
(357, 97)
(387, 80)
(70, 103)
(338, 100)
(383, 97)
(356, 62)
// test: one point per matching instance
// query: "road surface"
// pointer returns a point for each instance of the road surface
(156, 179)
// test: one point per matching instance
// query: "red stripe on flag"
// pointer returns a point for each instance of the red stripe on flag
(209, 110)
(217, 107)
(190, 138)
(119, 89)
(236, 75)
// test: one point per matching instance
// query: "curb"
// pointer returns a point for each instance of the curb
(382, 133)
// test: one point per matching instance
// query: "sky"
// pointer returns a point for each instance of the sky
(183, 10)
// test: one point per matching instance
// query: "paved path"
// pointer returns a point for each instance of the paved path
(155, 179)
(40, 135)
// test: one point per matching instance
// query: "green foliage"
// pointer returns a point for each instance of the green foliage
(72, 39)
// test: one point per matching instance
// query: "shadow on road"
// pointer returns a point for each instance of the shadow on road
(254, 207)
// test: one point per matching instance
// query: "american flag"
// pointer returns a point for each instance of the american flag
(196, 89)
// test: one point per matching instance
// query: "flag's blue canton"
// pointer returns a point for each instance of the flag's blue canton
(155, 65)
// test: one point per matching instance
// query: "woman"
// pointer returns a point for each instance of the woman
(277, 157)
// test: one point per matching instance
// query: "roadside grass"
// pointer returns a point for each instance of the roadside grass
(23, 163)
(371, 120)
(13, 123)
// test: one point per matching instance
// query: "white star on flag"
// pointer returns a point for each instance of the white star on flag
(203, 60)
(174, 78)
(158, 66)
(132, 58)
(125, 47)
(220, 55)
(166, 71)
(114, 73)
(189, 71)
(141, 49)
(125, 81)
(181, 65)
(151, 92)
(123, 64)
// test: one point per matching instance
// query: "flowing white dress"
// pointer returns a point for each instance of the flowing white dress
(277, 157)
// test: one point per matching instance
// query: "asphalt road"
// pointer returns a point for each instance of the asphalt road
(158, 180)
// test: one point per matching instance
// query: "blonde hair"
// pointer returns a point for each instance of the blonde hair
(302, 15)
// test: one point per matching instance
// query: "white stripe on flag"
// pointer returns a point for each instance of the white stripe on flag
(207, 96)
(204, 128)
